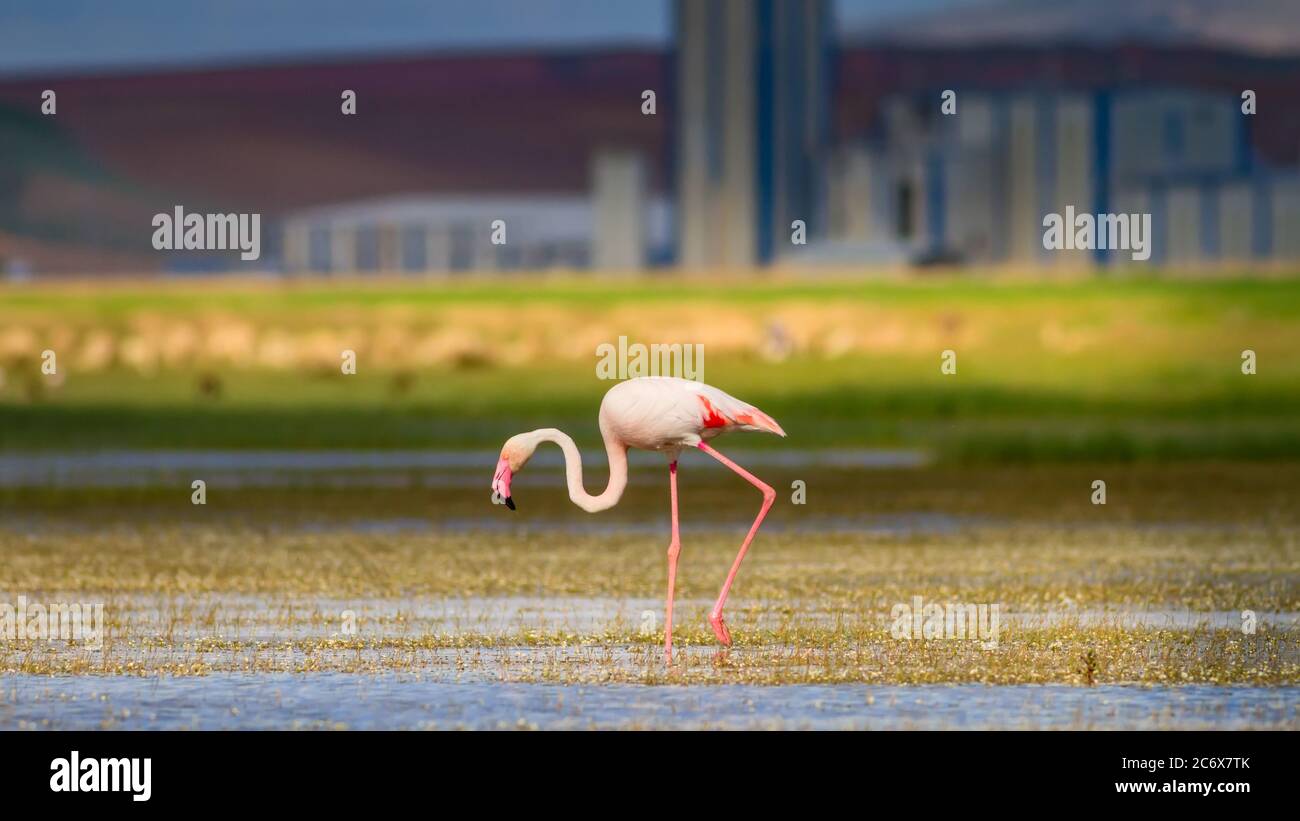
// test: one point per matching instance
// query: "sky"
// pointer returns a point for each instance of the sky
(38, 36)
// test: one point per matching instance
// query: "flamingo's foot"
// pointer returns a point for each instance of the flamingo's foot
(668, 656)
(720, 629)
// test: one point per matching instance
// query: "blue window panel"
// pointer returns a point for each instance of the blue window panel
(1173, 136)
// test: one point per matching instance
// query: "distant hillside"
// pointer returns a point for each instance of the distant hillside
(271, 138)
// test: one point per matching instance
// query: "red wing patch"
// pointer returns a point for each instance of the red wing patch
(712, 418)
(752, 418)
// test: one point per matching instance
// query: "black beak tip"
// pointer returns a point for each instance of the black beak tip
(510, 503)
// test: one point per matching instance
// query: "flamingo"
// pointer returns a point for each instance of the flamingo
(659, 413)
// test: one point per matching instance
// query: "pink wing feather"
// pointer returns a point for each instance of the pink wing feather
(652, 412)
(719, 409)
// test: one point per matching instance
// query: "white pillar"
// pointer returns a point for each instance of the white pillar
(1184, 210)
(437, 248)
(343, 249)
(1236, 205)
(1286, 216)
(1074, 167)
(297, 252)
(618, 211)
(1025, 218)
(390, 247)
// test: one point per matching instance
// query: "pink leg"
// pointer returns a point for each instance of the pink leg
(674, 547)
(769, 496)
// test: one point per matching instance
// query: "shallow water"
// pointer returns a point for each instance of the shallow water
(364, 702)
(490, 639)
(365, 468)
(902, 524)
(251, 617)
(485, 686)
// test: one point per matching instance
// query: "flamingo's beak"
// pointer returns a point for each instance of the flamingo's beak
(501, 483)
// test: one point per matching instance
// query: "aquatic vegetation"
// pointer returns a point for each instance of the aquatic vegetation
(1150, 588)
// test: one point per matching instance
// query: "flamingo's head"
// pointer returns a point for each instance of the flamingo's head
(514, 455)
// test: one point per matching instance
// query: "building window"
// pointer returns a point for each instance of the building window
(1175, 138)
(904, 198)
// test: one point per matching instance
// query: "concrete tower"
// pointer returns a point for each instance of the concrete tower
(753, 94)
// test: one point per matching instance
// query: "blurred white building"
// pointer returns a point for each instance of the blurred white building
(455, 233)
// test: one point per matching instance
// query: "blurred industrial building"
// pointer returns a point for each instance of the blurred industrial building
(764, 116)
(752, 134)
(974, 186)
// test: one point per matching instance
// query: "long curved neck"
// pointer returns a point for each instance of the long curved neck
(617, 452)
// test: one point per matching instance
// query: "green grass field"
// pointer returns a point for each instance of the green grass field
(1111, 369)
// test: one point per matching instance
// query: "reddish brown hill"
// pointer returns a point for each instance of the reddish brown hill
(273, 137)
